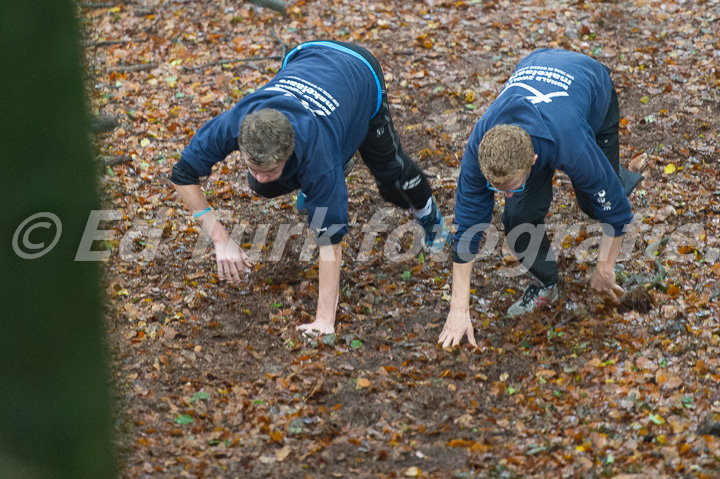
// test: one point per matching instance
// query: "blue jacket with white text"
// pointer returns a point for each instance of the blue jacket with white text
(561, 99)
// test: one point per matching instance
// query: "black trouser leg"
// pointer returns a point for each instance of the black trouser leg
(524, 220)
(398, 178)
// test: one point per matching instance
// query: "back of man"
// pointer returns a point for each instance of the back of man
(329, 97)
(558, 111)
(561, 99)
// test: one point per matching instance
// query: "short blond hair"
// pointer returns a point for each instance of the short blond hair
(505, 152)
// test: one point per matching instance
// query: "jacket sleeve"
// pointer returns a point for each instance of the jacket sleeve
(212, 143)
(327, 205)
(473, 206)
(183, 174)
(591, 173)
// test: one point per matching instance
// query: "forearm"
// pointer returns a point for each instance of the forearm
(195, 200)
(460, 299)
(329, 279)
(609, 250)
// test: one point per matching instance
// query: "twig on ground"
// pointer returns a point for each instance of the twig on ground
(101, 5)
(279, 40)
(228, 62)
(277, 5)
(115, 160)
(104, 123)
(107, 42)
(132, 68)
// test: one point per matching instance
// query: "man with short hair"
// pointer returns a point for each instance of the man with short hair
(558, 111)
(300, 131)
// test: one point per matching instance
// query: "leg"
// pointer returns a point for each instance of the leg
(524, 220)
(398, 178)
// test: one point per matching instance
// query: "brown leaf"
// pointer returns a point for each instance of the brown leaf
(282, 454)
(363, 383)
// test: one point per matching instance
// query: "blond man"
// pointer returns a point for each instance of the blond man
(558, 111)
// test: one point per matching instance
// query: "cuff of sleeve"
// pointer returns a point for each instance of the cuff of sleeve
(613, 230)
(323, 240)
(183, 174)
(462, 258)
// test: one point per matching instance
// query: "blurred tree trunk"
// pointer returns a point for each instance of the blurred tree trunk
(55, 415)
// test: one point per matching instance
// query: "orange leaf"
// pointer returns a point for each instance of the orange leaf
(363, 383)
(716, 269)
(457, 443)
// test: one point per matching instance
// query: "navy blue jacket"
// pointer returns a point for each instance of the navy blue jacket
(329, 93)
(561, 99)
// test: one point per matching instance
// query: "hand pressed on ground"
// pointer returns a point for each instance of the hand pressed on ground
(457, 325)
(603, 281)
(231, 260)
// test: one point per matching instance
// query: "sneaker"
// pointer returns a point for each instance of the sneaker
(437, 233)
(535, 297)
(300, 203)
(629, 179)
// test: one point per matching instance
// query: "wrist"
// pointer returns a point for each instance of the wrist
(218, 234)
(605, 266)
(459, 306)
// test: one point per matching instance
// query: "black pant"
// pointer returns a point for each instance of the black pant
(530, 206)
(398, 178)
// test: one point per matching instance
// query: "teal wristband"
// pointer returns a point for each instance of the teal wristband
(198, 215)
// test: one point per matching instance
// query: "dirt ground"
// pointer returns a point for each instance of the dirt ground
(211, 380)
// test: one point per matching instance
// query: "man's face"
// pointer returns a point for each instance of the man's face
(268, 174)
(513, 186)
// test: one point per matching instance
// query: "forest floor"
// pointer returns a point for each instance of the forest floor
(212, 380)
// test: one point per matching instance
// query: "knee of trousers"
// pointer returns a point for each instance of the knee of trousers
(393, 194)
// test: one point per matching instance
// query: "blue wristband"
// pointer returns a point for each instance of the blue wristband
(198, 215)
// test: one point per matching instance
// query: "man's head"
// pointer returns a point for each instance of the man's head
(506, 156)
(266, 140)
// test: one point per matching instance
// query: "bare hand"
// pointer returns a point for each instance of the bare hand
(456, 326)
(319, 326)
(231, 260)
(603, 281)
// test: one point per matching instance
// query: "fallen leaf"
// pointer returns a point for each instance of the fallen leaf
(667, 380)
(412, 472)
(363, 383)
(282, 454)
(664, 213)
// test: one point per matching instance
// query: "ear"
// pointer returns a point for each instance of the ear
(534, 158)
